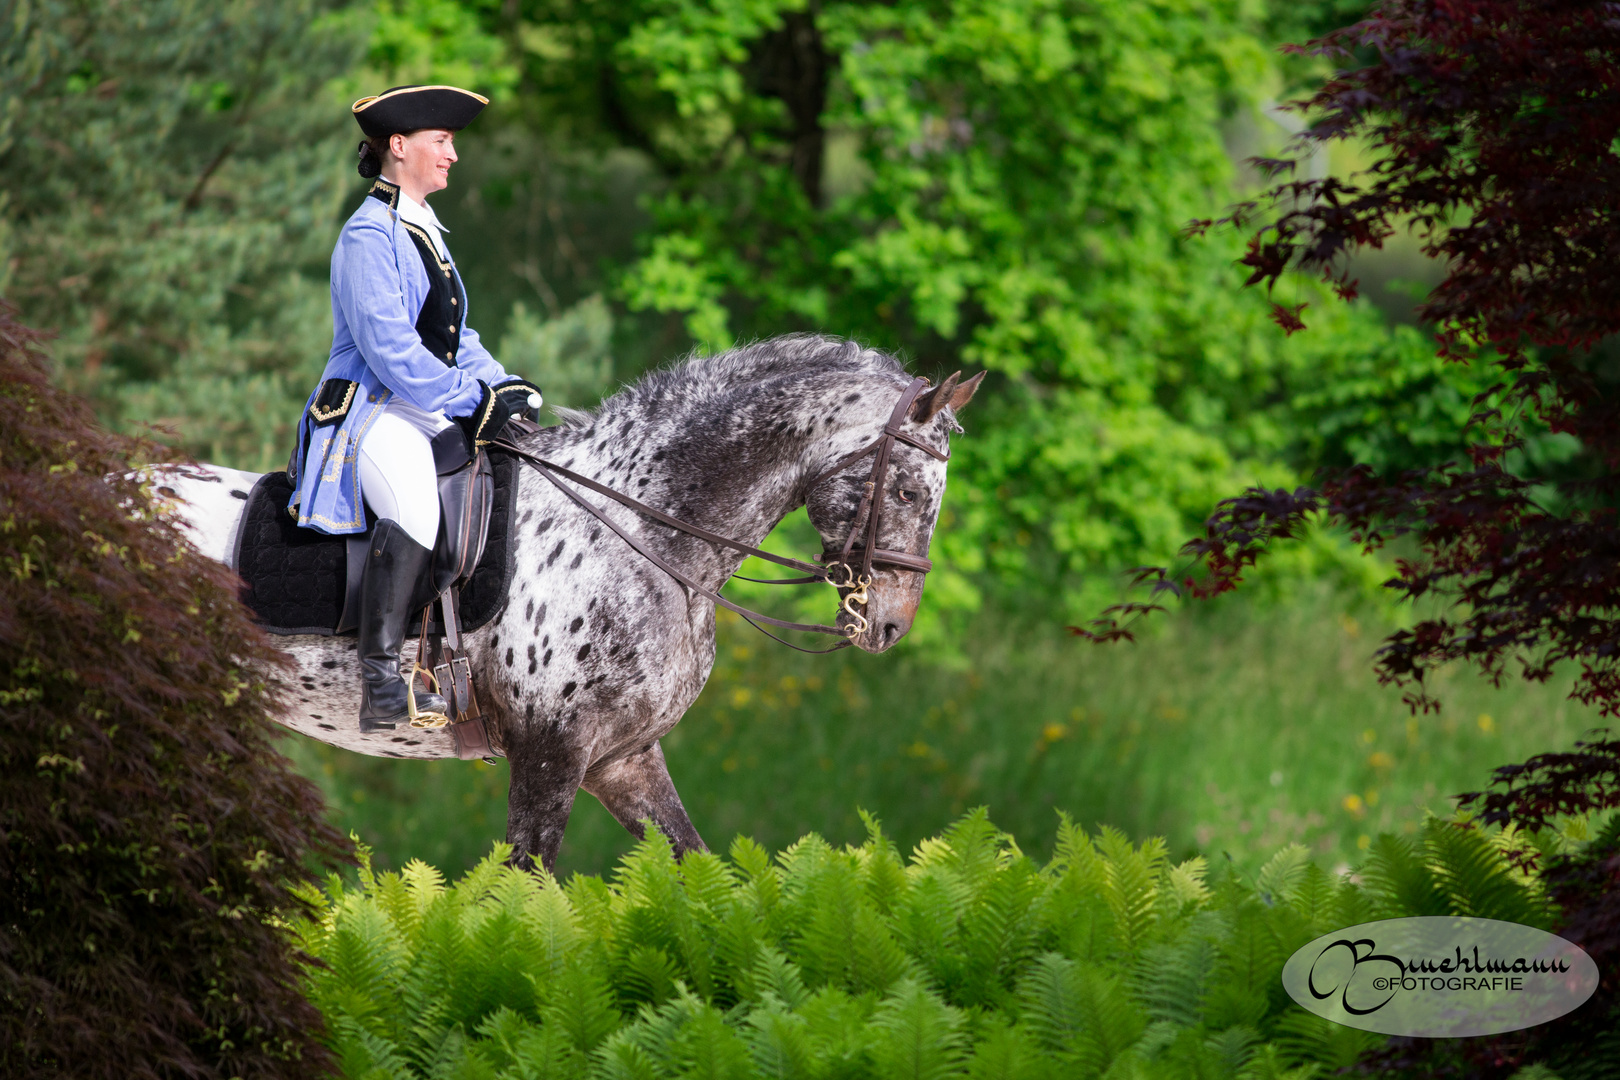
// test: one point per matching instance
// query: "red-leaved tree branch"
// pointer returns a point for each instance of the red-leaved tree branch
(1495, 128)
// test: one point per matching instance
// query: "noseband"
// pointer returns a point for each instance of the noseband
(864, 525)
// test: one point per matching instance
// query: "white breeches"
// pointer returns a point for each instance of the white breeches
(397, 475)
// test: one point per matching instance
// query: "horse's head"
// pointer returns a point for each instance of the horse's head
(907, 507)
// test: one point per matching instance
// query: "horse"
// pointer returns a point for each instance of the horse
(598, 653)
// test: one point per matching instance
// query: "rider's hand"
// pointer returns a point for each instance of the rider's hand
(523, 397)
(493, 411)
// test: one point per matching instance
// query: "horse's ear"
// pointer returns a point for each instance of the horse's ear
(932, 401)
(964, 392)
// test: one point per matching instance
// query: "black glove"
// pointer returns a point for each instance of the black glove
(522, 396)
(486, 421)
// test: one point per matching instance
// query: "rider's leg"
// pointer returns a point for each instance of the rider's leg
(399, 483)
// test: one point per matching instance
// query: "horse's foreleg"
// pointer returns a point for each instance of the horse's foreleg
(637, 787)
(545, 775)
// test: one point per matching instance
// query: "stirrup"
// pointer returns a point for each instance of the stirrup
(423, 720)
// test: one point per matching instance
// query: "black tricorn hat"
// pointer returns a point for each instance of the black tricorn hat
(411, 108)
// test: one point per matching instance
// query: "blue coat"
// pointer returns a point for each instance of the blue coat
(379, 285)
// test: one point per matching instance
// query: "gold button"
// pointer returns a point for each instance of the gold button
(373, 397)
(449, 356)
(454, 301)
(452, 329)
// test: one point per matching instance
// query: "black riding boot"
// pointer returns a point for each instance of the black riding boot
(395, 568)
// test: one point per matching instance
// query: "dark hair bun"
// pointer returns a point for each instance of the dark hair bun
(370, 165)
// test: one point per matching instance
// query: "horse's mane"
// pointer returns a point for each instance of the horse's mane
(695, 379)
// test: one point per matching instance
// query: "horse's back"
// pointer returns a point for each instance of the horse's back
(211, 501)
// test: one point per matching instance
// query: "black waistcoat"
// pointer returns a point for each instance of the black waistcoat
(439, 324)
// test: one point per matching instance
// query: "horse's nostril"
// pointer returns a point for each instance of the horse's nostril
(892, 633)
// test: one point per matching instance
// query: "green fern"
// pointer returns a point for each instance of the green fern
(920, 1036)
(1279, 881)
(1131, 883)
(1478, 879)
(1008, 1052)
(779, 1041)
(965, 959)
(1398, 880)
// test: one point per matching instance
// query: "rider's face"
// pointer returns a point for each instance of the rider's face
(422, 160)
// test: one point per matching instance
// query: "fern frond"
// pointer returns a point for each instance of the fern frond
(1131, 882)
(1479, 880)
(839, 1033)
(975, 845)
(761, 894)
(548, 920)
(622, 1058)
(1283, 874)
(1267, 1064)
(476, 883)
(645, 976)
(1314, 896)
(579, 1006)
(423, 883)
(1184, 886)
(365, 1055)
(1398, 881)
(1172, 978)
(707, 879)
(920, 1035)
(882, 871)
(997, 934)
(780, 1043)
(1305, 1039)
(1110, 1022)
(1008, 1052)
(775, 975)
(707, 1049)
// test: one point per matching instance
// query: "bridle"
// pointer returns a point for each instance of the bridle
(855, 561)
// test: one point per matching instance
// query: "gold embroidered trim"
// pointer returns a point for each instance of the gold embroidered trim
(434, 248)
(323, 415)
(374, 98)
(390, 190)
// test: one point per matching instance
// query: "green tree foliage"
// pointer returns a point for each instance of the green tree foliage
(983, 184)
(968, 959)
(149, 830)
(1003, 185)
(169, 201)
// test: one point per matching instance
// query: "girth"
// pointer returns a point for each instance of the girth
(863, 526)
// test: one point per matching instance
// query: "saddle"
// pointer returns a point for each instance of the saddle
(300, 581)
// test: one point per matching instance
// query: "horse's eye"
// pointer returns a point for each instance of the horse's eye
(907, 496)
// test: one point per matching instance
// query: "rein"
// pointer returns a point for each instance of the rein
(869, 553)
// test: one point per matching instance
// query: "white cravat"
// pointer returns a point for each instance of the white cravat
(422, 214)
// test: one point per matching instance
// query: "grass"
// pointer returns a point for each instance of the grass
(1236, 728)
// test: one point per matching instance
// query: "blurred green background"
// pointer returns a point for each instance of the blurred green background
(983, 184)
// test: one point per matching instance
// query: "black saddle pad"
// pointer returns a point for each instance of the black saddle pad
(294, 578)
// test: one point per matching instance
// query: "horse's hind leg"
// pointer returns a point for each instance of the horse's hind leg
(637, 787)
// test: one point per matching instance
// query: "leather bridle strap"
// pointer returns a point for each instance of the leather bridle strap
(548, 467)
(870, 506)
(754, 618)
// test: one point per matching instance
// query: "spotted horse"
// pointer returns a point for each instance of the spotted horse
(598, 651)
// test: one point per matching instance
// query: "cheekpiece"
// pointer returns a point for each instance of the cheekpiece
(411, 108)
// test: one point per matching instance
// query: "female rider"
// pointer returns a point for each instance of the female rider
(406, 372)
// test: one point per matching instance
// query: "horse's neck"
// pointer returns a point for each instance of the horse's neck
(737, 470)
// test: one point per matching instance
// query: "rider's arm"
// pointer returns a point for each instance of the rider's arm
(476, 360)
(368, 288)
